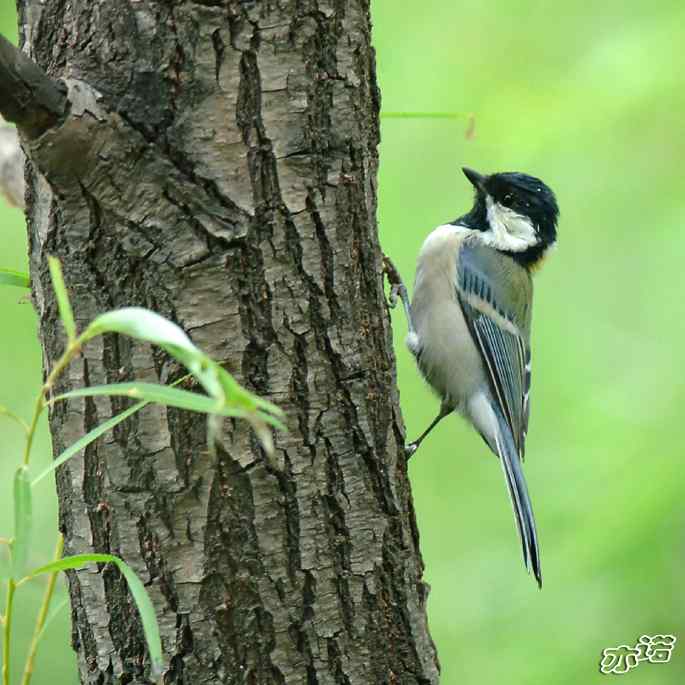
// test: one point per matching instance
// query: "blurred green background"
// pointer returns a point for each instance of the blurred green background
(590, 97)
(591, 100)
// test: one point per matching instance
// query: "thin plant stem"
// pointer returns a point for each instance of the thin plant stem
(42, 616)
(11, 415)
(37, 410)
(72, 350)
(7, 635)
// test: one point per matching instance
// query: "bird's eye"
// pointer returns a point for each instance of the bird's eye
(508, 200)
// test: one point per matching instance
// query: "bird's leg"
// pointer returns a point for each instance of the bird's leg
(397, 288)
(411, 448)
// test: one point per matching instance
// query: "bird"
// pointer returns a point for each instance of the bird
(469, 321)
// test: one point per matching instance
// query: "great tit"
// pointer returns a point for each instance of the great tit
(469, 321)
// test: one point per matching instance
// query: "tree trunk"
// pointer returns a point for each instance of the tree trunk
(217, 163)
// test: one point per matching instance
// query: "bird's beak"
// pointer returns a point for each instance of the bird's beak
(476, 179)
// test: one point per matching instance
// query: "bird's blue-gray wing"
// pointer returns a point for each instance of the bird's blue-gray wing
(495, 294)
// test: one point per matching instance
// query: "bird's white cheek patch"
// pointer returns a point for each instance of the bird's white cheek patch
(509, 230)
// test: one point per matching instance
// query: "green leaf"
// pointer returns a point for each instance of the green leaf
(146, 325)
(226, 396)
(17, 278)
(264, 435)
(22, 521)
(172, 397)
(236, 392)
(271, 420)
(162, 394)
(89, 437)
(138, 592)
(142, 324)
(65, 312)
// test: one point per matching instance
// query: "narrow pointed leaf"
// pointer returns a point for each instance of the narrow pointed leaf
(162, 394)
(65, 312)
(89, 437)
(264, 435)
(226, 397)
(236, 392)
(141, 324)
(138, 592)
(16, 278)
(172, 397)
(22, 521)
(146, 325)
(271, 420)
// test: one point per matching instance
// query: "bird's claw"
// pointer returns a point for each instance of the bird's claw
(394, 294)
(394, 279)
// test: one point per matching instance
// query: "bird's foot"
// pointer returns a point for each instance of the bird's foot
(397, 288)
(393, 295)
(410, 449)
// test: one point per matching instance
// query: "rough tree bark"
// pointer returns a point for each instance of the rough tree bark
(216, 162)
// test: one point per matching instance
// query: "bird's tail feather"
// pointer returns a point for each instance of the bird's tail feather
(518, 493)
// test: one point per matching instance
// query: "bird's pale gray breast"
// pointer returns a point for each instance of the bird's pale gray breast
(444, 348)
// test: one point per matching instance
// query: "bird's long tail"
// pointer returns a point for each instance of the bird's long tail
(518, 492)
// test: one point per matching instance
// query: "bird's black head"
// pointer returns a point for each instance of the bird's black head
(517, 213)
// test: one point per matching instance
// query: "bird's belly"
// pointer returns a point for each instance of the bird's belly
(448, 357)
